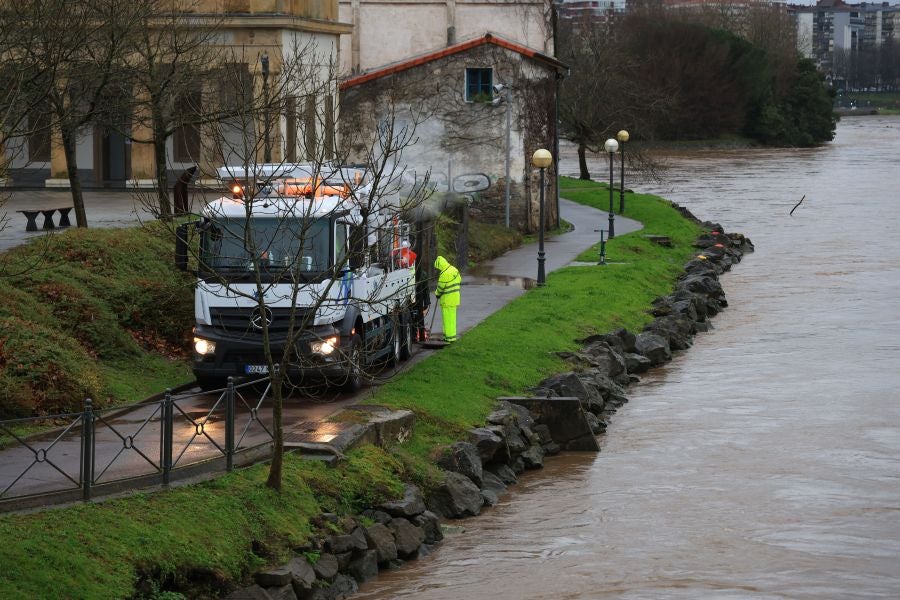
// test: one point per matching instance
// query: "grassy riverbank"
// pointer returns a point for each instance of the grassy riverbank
(222, 530)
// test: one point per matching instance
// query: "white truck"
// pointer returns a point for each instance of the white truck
(308, 258)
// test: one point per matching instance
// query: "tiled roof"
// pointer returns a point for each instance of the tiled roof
(488, 38)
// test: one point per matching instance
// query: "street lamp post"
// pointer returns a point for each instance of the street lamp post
(541, 159)
(622, 137)
(267, 146)
(502, 88)
(602, 248)
(611, 146)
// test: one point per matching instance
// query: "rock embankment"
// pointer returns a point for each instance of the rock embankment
(609, 362)
(479, 468)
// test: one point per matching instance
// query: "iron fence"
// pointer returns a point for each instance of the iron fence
(132, 446)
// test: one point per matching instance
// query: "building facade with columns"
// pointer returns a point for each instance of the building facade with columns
(245, 31)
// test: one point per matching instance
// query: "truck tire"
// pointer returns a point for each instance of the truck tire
(393, 358)
(354, 375)
(406, 343)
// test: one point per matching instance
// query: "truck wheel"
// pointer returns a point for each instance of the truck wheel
(396, 342)
(354, 374)
(406, 343)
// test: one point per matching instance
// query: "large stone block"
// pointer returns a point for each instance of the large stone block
(456, 497)
(563, 416)
(463, 458)
(407, 536)
(381, 539)
(411, 504)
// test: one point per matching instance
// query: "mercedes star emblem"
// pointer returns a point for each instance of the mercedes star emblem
(261, 315)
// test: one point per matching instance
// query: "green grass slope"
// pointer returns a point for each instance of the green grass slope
(90, 313)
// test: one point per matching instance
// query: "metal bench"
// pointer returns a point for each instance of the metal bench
(31, 216)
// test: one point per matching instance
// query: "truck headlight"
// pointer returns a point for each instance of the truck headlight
(204, 347)
(326, 346)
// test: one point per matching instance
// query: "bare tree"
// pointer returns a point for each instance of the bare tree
(309, 244)
(169, 59)
(80, 64)
(24, 88)
(607, 89)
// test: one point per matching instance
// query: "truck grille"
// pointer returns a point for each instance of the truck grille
(248, 321)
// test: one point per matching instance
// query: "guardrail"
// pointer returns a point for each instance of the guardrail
(144, 444)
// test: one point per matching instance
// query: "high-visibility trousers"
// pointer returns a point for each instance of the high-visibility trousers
(448, 315)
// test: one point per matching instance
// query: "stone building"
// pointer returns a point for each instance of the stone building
(448, 98)
(246, 29)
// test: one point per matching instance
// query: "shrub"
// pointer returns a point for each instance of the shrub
(43, 371)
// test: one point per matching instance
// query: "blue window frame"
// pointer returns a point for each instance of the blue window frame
(479, 85)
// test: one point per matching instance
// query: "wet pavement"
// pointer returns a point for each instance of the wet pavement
(103, 209)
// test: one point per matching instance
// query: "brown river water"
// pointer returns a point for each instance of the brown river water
(765, 461)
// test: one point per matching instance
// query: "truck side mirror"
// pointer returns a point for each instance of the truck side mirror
(181, 246)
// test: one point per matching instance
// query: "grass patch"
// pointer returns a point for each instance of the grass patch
(513, 349)
(485, 240)
(228, 527)
(884, 101)
(214, 532)
(99, 313)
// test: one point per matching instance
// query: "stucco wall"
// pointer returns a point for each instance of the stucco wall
(389, 31)
(313, 9)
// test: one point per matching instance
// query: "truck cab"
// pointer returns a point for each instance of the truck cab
(302, 267)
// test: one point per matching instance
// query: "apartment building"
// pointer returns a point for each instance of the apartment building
(832, 30)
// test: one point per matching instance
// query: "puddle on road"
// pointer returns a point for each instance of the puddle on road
(526, 283)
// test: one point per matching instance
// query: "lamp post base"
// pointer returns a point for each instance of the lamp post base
(612, 226)
(541, 278)
(602, 248)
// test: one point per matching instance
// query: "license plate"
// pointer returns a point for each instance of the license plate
(256, 369)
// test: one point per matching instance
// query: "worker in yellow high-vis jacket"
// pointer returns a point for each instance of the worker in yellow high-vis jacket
(447, 292)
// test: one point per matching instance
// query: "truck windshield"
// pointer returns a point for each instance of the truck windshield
(276, 245)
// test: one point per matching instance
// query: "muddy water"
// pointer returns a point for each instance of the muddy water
(765, 461)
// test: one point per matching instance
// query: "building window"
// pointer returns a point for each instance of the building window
(290, 117)
(479, 85)
(310, 118)
(329, 126)
(39, 135)
(186, 142)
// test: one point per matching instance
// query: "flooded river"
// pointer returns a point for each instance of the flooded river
(765, 461)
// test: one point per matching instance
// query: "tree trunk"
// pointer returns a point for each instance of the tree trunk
(162, 174)
(162, 180)
(69, 141)
(583, 172)
(274, 480)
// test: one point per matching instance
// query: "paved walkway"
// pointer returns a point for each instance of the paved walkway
(103, 209)
(497, 282)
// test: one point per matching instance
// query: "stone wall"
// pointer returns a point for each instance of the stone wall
(453, 137)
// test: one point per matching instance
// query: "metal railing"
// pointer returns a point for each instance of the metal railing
(128, 447)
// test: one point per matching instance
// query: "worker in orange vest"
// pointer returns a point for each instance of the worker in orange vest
(404, 257)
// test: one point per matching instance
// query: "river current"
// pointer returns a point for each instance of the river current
(765, 461)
